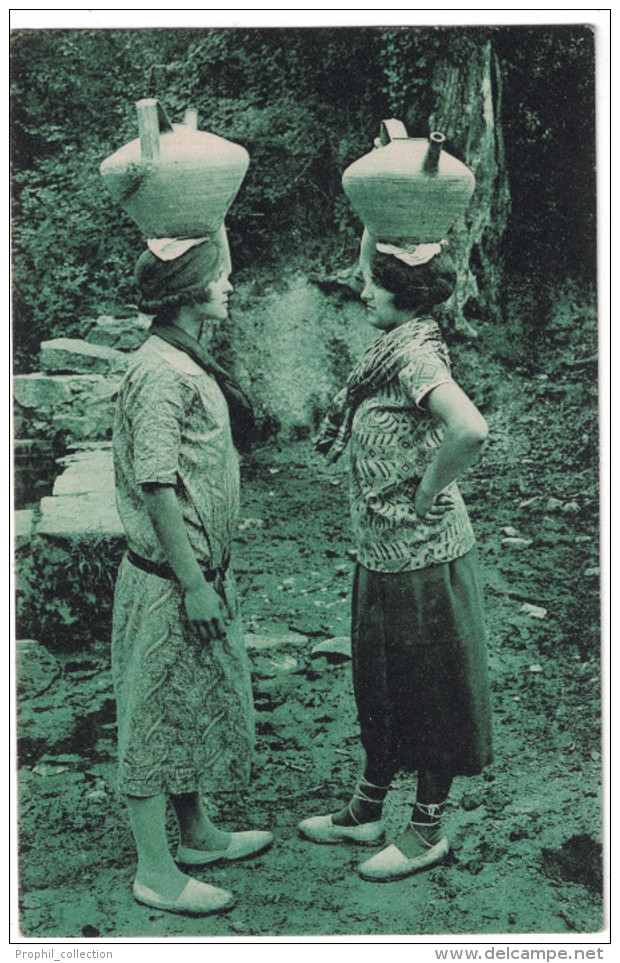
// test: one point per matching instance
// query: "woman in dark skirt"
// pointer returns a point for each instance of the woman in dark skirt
(419, 650)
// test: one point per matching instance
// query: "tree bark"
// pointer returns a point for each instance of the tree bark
(466, 88)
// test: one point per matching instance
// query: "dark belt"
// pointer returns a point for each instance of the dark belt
(165, 571)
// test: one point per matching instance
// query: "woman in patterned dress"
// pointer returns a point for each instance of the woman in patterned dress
(418, 641)
(181, 677)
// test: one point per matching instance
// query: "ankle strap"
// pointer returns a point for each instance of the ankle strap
(432, 810)
(367, 782)
(419, 835)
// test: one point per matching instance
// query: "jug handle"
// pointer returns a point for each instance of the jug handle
(152, 120)
(391, 130)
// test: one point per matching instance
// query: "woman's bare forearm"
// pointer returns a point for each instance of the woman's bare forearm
(169, 526)
(203, 605)
(458, 452)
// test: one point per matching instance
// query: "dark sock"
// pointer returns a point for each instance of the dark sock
(366, 805)
(426, 821)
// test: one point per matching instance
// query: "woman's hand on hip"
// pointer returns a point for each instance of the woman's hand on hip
(431, 508)
(206, 612)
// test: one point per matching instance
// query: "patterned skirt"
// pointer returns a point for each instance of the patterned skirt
(420, 667)
(184, 708)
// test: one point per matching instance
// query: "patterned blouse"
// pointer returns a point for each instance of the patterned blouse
(393, 439)
(172, 427)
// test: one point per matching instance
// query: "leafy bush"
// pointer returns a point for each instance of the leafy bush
(306, 103)
(65, 591)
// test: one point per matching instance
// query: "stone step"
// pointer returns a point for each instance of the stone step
(23, 526)
(73, 355)
(81, 406)
(83, 501)
(44, 392)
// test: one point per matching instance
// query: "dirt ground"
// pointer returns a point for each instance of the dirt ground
(526, 836)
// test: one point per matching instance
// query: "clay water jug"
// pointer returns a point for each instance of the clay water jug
(174, 180)
(408, 187)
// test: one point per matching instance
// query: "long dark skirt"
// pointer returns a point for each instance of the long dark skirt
(420, 667)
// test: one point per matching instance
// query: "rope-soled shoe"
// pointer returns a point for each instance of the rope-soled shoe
(391, 863)
(241, 846)
(196, 899)
(321, 829)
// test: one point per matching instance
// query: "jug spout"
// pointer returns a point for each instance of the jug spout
(431, 161)
(190, 118)
(152, 119)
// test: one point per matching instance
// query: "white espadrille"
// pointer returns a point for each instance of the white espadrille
(391, 863)
(322, 829)
(196, 899)
(241, 846)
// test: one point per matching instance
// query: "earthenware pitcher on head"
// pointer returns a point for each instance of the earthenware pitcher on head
(408, 187)
(174, 180)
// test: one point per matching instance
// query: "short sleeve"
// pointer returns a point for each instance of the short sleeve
(156, 413)
(425, 372)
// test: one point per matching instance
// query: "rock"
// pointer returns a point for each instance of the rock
(593, 572)
(68, 516)
(23, 526)
(335, 650)
(250, 523)
(45, 769)
(553, 504)
(79, 406)
(510, 531)
(45, 392)
(571, 508)
(529, 502)
(74, 355)
(83, 501)
(534, 610)
(89, 471)
(37, 668)
(253, 641)
(517, 542)
(270, 668)
(124, 334)
(536, 668)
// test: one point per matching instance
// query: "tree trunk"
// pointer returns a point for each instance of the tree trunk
(466, 88)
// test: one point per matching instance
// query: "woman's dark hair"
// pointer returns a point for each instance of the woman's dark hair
(419, 288)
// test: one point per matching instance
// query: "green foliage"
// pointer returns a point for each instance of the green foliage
(306, 103)
(549, 131)
(65, 591)
(71, 250)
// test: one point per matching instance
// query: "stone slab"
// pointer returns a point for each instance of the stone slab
(44, 391)
(23, 526)
(71, 516)
(259, 642)
(83, 501)
(86, 472)
(124, 334)
(76, 356)
(336, 649)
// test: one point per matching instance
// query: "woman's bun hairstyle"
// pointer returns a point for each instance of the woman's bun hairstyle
(420, 288)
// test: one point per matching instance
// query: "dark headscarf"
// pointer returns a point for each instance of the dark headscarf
(165, 285)
(169, 284)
